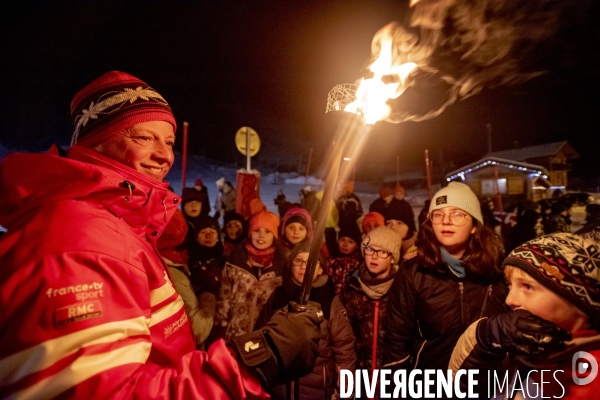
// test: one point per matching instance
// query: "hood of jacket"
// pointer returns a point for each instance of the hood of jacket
(29, 181)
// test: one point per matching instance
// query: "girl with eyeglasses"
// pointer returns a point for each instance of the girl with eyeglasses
(366, 294)
(336, 347)
(454, 280)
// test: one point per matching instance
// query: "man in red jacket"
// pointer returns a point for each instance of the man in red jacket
(88, 307)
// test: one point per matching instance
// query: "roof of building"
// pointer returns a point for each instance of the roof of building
(503, 162)
(542, 150)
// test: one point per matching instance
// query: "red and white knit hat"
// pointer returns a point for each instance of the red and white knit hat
(113, 102)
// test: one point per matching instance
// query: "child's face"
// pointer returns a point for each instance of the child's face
(295, 232)
(207, 237)
(378, 266)
(262, 238)
(398, 226)
(454, 238)
(370, 226)
(192, 208)
(233, 229)
(528, 294)
(299, 267)
(346, 245)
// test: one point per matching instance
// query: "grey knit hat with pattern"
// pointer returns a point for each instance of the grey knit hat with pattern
(458, 195)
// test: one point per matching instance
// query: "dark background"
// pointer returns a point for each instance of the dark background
(270, 65)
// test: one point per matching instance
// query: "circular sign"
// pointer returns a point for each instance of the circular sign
(241, 140)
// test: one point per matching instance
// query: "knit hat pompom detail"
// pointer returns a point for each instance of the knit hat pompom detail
(457, 195)
(112, 103)
(386, 238)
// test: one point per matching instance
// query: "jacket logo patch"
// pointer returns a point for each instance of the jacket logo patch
(441, 200)
(77, 312)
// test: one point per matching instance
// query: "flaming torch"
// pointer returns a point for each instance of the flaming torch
(352, 110)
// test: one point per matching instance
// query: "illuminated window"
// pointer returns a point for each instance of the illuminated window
(488, 186)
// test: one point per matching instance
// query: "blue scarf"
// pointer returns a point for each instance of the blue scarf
(455, 264)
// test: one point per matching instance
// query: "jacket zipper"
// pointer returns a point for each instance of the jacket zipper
(462, 307)
(489, 294)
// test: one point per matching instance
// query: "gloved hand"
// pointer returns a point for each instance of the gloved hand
(286, 348)
(519, 332)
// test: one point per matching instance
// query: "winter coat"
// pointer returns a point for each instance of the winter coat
(429, 310)
(85, 297)
(366, 302)
(200, 309)
(468, 355)
(336, 347)
(340, 268)
(244, 291)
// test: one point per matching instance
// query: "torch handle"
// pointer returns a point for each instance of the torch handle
(315, 246)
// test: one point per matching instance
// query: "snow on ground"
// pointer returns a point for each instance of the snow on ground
(290, 183)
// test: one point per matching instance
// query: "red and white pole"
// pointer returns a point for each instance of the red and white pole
(184, 151)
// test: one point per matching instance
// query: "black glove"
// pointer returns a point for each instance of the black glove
(286, 348)
(519, 332)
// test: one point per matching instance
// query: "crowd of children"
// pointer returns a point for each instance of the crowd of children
(394, 294)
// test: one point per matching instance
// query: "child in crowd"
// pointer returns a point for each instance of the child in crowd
(402, 220)
(336, 347)
(371, 221)
(346, 259)
(366, 296)
(195, 207)
(235, 232)
(296, 227)
(555, 295)
(206, 257)
(200, 307)
(454, 280)
(251, 274)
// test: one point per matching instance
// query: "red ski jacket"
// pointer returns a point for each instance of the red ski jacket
(88, 308)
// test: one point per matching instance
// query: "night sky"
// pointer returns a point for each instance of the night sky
(270, 64)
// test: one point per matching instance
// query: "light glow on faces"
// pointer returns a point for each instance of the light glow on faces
(146, 147)
(208, 237)
(454, 238)
(346, 245)
(298, 271)
(295, 232)
(528, 294)
(398, 226)
(377, 266)
(192, 208)
(233, 229)
(262, 238)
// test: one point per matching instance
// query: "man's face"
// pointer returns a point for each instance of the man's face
(528, 294)
(146, 147)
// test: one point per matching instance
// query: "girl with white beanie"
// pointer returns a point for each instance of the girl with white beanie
(454, 280)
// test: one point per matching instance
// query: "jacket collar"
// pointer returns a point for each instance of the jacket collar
(143, 203)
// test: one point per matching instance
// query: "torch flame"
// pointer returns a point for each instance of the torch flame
(391, 74)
